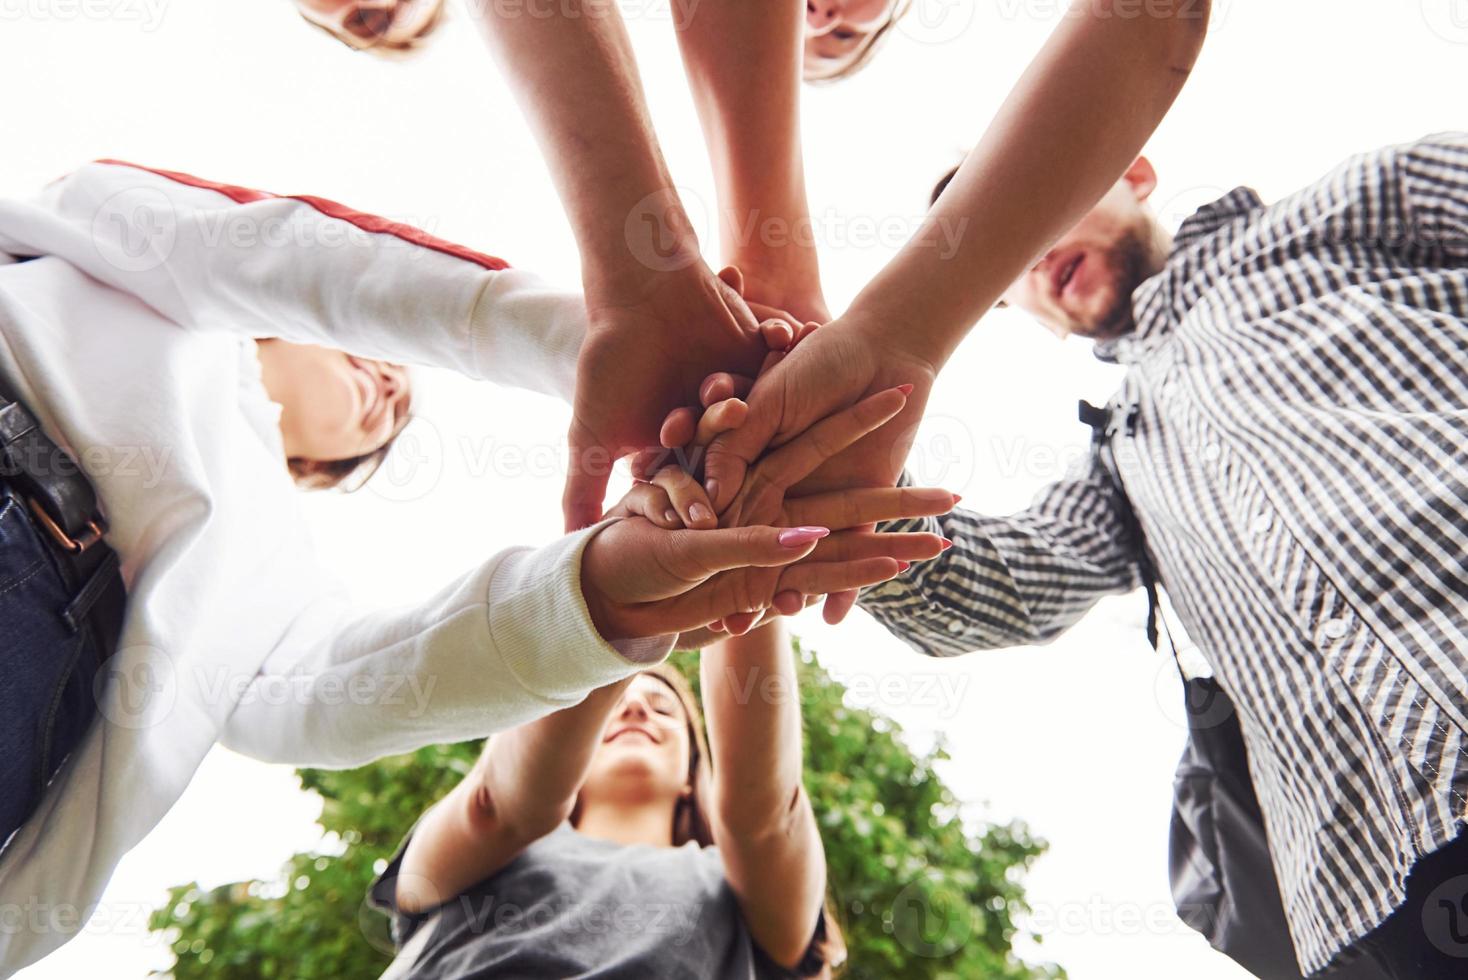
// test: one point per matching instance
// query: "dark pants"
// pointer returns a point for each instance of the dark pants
(1224, 881)
(46, 667)
(1427, 938)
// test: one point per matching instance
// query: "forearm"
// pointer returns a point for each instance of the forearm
(1076, 120)
(577, 82)
(762, 821)
(752, 704)
(743, 65)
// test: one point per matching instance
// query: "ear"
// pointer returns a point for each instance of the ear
(1141, 178)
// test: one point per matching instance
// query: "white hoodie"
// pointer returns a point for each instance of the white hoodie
(131, 336)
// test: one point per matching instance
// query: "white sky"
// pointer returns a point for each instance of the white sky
(1079, 738)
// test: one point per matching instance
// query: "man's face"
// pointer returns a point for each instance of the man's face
(1084, 284)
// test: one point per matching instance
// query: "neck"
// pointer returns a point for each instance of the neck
(1159, 247)
(624, 823)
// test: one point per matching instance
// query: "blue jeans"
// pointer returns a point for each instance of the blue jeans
(46, 668)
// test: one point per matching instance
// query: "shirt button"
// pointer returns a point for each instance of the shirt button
(1211, 452)
(1261, 524)
(1334, 629)
(955, 626)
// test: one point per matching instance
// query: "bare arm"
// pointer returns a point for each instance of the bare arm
(522, 788)
(658, 318)
(1075, 121)
(743, 64)
(762, 820)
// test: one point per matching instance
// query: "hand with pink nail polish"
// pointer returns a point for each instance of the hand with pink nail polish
(827, 530)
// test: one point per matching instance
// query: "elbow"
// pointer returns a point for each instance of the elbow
(1185, 31)
(754, 817)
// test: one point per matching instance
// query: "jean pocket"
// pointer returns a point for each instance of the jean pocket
(68, 712)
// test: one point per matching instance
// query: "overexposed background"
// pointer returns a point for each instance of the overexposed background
(1079, 738)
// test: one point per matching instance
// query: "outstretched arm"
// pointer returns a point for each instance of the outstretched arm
(762, 820)
(1014, 580)
(659, 318)
(215, 256)
(1073, 123)
(743, 64)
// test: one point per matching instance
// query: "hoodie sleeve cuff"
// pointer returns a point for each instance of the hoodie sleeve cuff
(527, 334)
(543, 631)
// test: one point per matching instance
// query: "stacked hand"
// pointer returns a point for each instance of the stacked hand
(666, 567)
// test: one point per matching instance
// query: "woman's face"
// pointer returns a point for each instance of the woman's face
(333, 406)
(644, 748)
(838, 31)
(373, 23)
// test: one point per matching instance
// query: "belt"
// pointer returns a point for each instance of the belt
(63, 506)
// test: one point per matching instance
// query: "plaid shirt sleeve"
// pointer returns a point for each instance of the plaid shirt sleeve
(1010, 581)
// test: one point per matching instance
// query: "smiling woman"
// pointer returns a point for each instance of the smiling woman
(339, 413)
(703, 856)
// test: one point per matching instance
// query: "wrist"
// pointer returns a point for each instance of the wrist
(635, 247)
(605, 614)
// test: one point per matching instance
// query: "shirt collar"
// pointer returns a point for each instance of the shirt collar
(1150, 312)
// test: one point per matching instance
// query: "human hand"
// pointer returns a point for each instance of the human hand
(642, 576)
(651, 338)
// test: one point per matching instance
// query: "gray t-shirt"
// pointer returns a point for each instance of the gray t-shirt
(574, 906)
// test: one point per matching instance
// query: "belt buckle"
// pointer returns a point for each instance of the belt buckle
(96, 528)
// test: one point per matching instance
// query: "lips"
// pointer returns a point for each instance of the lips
(630, 730)
(1064, 272)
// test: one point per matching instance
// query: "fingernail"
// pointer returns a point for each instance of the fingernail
(799, 537)
(947, 544)
(905, 389)
(903, 566)
(956, 498)
(699, 512)
(671, 516)
(711, 487)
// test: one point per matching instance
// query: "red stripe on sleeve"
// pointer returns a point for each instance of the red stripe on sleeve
(372, 223)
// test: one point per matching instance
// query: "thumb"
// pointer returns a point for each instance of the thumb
(702, 554)
(586, 480)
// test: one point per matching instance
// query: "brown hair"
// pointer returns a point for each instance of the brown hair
(351, 474)
(865, 54)
(690, 821)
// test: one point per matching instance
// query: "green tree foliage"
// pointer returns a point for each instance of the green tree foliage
(918, 895)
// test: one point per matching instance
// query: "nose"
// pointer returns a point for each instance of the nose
(821, 15)
(634, 707)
